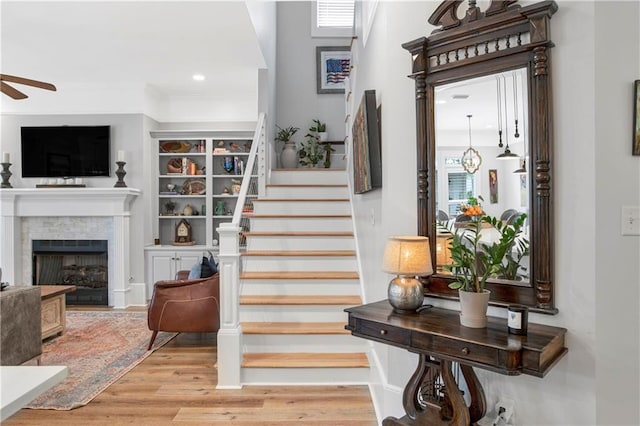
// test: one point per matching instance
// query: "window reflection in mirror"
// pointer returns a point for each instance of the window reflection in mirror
(494, 102)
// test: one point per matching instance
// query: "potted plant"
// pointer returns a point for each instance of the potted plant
(328, 149)
(472, 263)
(288, 156)
(320, 129)
(511, 248)
(310, 152)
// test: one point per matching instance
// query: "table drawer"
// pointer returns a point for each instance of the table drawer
(384, 332)
(440, 346)
(465, 350)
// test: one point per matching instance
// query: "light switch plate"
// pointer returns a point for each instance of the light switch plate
(630, 220)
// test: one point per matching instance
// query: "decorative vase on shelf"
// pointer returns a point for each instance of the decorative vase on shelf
(289, 156)
(473, 308)
(188, 210)
(323, 136)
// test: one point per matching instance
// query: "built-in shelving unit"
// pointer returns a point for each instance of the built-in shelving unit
(197, 177)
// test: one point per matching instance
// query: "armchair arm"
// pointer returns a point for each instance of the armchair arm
(179, 282)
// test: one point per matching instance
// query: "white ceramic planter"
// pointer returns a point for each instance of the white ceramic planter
(473, 308)
(289, 156)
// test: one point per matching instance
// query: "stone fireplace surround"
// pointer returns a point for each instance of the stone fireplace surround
(67, 213)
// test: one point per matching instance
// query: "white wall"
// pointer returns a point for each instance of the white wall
(297, 102)
(617, 269)
(597, 381)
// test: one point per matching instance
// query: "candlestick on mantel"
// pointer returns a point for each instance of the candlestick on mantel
(120, 173)
(120, 155)
(5, 173)
(6, 158)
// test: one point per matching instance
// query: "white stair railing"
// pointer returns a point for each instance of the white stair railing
(231, 239)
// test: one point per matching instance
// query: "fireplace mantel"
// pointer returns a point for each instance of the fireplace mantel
(115, 203)
(67, 201)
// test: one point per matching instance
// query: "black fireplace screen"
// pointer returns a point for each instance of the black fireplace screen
(82, 263)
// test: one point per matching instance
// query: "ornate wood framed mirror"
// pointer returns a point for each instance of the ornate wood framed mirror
(498, 58)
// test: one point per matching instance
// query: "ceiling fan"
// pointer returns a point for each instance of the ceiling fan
(15, 93)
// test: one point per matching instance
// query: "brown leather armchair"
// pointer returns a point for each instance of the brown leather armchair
(183, 305)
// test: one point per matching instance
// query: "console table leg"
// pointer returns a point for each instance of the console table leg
(428, 413)
(410, 396)
(478, 406)
(460, 410)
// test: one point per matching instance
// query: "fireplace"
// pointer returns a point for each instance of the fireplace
(83, 263)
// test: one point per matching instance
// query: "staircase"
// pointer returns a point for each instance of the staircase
(299, 272)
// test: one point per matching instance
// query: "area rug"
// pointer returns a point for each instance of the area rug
(98, 348)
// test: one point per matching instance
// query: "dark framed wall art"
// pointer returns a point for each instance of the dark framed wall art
(636, 118)
(367, 162)
(333, 64)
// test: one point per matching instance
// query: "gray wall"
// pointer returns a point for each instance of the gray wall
(297, 102)
(597, 272)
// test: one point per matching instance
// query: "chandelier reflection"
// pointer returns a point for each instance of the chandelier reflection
(471, 159)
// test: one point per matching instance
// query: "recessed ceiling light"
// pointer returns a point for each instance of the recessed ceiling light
(198, 77)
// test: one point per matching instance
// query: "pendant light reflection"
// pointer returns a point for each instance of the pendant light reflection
(522, 170)
(471, 159)
(507, 154)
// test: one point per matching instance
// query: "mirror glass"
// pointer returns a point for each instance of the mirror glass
(488, 114)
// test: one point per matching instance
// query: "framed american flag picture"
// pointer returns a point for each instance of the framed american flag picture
(332, 68)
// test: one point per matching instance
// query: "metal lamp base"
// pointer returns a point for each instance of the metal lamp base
(405, 294)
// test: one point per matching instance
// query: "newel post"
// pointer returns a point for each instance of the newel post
(230, 333)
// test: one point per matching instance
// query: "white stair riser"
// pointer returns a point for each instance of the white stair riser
(307, 192)
(293, 313)
(294, 288)
(301, 376)
(253, 343)
(298, 263)
(299, 243)
(309, 177)
(301, 207)
(302, 224)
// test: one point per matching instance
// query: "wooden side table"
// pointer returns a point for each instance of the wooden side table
(54, 308)
(438, 338)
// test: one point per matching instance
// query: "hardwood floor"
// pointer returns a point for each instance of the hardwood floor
(177, 383)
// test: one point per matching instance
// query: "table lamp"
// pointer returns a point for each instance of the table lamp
(407, 257)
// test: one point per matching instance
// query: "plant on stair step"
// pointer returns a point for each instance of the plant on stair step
(328, 149)
(320, 129)
(286, 146)
(310, 152)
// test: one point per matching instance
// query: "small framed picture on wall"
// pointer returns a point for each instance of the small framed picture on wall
(333, 64)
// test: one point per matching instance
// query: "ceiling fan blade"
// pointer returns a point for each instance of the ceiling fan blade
(28, 82)
(11, 92)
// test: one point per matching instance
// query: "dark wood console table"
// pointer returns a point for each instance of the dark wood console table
(432, 396)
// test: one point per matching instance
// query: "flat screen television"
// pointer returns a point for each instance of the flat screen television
(65, 151)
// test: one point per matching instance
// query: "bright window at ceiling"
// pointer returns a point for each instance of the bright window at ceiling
(332, 18)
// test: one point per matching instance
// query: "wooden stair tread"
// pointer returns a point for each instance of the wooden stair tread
(294, 328)
(297, 234)
(300, 300)
(306, 185)
(299, 275)
(309, 169)
(331, 253)
(285, 200)
(296, 216)
(305, 360)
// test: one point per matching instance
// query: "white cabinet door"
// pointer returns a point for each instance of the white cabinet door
(186, 260)
(162, 266)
